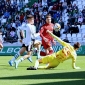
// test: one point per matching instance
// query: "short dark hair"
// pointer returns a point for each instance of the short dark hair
(30, 16)
(77, 45)
(48, 16)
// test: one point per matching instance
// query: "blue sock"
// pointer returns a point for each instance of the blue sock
(30, 59)
(15, 57)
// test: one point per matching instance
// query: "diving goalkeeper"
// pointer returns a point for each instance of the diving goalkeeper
(53, 60)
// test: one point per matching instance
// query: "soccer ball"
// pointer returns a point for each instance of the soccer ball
(57, 27)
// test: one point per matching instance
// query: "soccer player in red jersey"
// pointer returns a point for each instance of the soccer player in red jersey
(47, 40)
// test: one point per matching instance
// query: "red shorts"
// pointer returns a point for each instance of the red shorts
(46, 44)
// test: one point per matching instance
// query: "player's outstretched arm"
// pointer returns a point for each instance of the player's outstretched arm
(57, 38)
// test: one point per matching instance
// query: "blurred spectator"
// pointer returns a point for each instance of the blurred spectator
(35, 5)
(83, 12)
(5, 34)
(13, 24)
(44, 3)
(8, 26)
(12, 34)
(64, 4)
(21, 17)
(55, 7)
(17, 22)
(17, 16)
(26, 8)
(67, 28)
(74, 29)
(80, 19)
(61, 23)
(6, 14)
(44, 13)
(68, 2)
(3, 20)
(2, 29)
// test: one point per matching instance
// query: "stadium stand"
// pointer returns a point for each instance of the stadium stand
(13, 14)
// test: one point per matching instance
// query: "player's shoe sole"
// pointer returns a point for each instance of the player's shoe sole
(31, 68)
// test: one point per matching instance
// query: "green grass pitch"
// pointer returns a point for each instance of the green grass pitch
(61, 75)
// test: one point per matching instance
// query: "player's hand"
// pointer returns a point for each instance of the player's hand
(45, 39)
(47, 31)
(20, 40)
(77, 68)
(54, 43)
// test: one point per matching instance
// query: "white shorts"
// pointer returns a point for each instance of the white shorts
(28, 47)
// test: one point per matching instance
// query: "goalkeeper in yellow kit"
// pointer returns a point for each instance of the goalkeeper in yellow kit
(58, 57)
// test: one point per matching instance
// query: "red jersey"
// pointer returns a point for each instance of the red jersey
(43, 30)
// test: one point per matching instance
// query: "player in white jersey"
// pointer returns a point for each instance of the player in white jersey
(21, 51)
(26, 30)
(37, 44)
(28, 34)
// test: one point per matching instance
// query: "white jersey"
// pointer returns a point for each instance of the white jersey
(34, 31)
(28, 32)
(19, 29)
(36, 36)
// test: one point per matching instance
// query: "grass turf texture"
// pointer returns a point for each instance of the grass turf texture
(61, 75)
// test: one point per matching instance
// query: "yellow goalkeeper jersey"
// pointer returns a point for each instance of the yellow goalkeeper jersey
(66, 52)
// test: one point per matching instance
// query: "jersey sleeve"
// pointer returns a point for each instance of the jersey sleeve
(33, 31)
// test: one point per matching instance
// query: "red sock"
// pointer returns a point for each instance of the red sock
(42, 53)
(50, 52)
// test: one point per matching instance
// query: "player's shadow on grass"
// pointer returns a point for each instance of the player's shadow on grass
(73, 82)
(65, 75)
